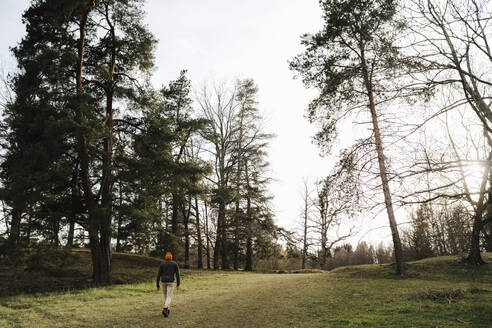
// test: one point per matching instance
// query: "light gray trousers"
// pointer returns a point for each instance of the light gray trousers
(167, 291)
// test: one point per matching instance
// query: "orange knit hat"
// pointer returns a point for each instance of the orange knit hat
(169, 256)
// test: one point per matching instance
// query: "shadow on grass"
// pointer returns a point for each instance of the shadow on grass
(42, 274)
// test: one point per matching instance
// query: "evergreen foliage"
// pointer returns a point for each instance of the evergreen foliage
(95, 156)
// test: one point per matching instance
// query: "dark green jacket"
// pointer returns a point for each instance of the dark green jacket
(167, 270)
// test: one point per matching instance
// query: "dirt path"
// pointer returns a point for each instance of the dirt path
(228, 301)
(211, 300)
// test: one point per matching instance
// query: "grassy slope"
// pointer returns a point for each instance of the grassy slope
(75, 274)
(363, 296)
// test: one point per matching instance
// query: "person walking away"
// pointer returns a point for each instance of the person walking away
(167, 271)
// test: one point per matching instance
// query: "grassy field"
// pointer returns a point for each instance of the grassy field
(435, 293)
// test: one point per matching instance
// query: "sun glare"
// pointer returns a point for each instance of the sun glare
(473, 176)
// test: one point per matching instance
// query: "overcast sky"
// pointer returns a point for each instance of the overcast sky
(224, 40)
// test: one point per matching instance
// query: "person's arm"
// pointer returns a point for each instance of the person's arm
(159, 274)
(178, 281)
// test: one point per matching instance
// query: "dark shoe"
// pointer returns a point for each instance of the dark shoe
(165, 313)
(168, 311)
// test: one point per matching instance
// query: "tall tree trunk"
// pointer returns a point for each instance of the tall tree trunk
(487, 232)
(207, 236)
(249, 249)
(82, 140)
(118, 226)
(107, 174)
(28, 231)
(96, 255)
(7, 226)
(187, 247)
(71, 232)
(118, 234)
(382, 169)
(323, 257)
(217, 246)
(238, 190)
(100, 271)
(324, 241)
(475, 258)
(249, 218)
(174, 215)
(166, 216)
(186, 219)
(199, 236)
(223, 236)
(74, 209)
(236, 239)
(305, 232)
(304, 243)
(107, 195)
(487, 229)
(15, 227)
(55, 230)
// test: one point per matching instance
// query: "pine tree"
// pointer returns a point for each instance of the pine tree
(39, 158)
(353, 61)
(77, 60)
(187, 168)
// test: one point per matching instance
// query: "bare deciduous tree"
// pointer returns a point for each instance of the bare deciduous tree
(307, 207)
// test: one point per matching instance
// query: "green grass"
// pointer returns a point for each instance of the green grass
(434, 293)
